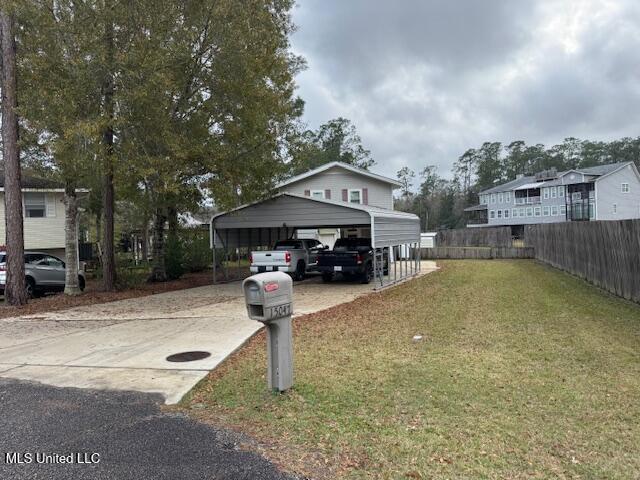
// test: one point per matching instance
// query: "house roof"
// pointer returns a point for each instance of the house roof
(602, 169)
(523, 182)
(510, 185)
(371, 210)
(345, 166)
(36, 183)
(476, 208)
(294, 211)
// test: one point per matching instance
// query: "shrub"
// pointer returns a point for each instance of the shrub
(197, 254)
(174, 257)
(131, 277)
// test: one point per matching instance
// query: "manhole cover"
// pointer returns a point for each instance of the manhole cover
(187, 356)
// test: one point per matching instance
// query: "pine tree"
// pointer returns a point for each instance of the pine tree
(15, 292)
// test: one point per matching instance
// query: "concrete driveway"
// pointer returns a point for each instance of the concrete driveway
(124, 345)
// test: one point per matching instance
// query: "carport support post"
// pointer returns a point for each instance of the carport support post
(214, 260)
(413, 258)
(375, 265)
(395, 265)
(406, 260)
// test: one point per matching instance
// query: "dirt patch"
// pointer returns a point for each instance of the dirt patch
(93, 294)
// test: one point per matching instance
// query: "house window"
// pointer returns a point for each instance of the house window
(355, 196)
(554, 192)
(506, 213)
(625, 188)
(545, 193)
(514, 213)
(35, 205)
(500, 198)
(507, 197)
(554, 210)
(615, 208)
(592, 211)
(530, 211)
(536, 211)
(561, 191)
(492, 214)
(499, 213)
(545, 211)
(493, 198)
(522, 212)
(317, 193)
(563, 210)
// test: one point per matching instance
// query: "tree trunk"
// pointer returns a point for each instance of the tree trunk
(71, 282)
(144, 250)
(99, 227)
(159, 270)
(108, 201)
(15, 292)
(172, 218)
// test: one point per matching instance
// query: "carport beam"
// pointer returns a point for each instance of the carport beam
(214, 257)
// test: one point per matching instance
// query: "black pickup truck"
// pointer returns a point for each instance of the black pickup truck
(351, 257)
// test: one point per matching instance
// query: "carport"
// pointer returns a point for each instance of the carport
(258, 225)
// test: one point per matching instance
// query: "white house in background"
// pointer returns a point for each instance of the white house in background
(44, 215)
(341, 182)
(603, 192)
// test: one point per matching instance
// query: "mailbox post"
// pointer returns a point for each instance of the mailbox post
(269, 299)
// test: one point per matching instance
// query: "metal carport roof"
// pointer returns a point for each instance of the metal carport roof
(285, 212)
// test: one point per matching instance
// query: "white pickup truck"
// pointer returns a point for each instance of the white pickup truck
(296, 257)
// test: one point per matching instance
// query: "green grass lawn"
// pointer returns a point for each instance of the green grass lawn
(525, 372)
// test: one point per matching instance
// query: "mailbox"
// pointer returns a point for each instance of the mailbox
(268, 296)
(269, 299)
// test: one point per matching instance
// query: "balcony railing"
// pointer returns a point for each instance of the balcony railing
(527, 200)
(477, 221)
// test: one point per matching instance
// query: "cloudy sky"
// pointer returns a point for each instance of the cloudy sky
(423, 80)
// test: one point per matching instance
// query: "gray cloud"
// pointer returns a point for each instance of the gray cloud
(425, 80)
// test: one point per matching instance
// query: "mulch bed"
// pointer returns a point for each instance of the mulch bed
(93, 294)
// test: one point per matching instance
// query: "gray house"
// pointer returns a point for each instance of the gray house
(341, 182)
(604, 192)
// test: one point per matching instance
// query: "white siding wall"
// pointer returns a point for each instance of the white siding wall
(514, 217)
(609, 192)
(41, 233)
(336, 179)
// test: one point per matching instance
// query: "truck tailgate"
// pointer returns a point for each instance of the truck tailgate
(338, 259)
(269, 258)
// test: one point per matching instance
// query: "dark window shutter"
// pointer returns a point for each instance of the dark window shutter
(327, 194)
(365, 196)
(307, 193)
(345, 195)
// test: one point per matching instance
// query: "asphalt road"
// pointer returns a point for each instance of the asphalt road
(133, 438)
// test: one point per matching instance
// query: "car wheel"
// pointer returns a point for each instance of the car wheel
(367, 276)
(327, 277)
(81, 283)
(30, 287)
(300, 270)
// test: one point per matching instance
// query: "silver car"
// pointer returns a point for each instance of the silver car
(44, 273)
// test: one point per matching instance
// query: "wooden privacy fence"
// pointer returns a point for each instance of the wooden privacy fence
(475, 237)
(476, 252)
(606, 253)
